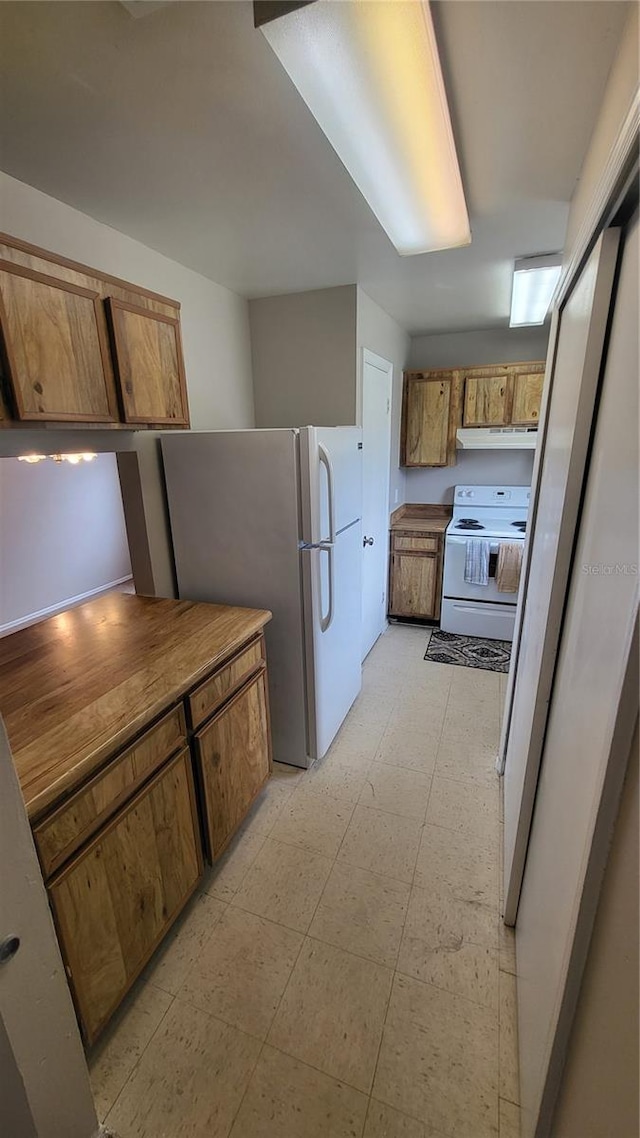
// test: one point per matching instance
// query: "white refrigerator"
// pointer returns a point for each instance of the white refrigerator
(272, 519)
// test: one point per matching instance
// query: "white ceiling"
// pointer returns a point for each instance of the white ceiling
(182, 130)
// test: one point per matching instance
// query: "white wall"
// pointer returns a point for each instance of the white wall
(62, 535)
(215, 334)
(469, 349)
(380, 333)
(215, 326)
(622, 87)
(303, 347)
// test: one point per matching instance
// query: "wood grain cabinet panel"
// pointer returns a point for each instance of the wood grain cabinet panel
(234, 761)
(414, 585)
(62, 832)
(487, 401)
(212, 693)
(149, 365)
(115, 901)
(527, 398)
(55, 348)
(427, 407)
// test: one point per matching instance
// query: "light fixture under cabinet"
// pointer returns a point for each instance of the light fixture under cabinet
(370, 75)
(72, 459)
(534, 283)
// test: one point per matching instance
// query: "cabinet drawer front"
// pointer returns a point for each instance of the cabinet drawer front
(61, 833)
(213, 691)
(234, 759)
(423, 544)
(115, 901)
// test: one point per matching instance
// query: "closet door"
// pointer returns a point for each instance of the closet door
(557, 485)
(593, 712)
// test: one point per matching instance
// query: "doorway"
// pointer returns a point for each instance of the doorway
(377, 379)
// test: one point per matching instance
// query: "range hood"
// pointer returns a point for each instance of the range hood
(496, 438)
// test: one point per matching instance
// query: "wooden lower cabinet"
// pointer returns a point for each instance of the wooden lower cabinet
(414, 580)
(415, 573)
(115, 901)
(233, 756)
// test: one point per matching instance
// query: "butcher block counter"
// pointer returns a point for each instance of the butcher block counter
(139, 728)
(416, 557)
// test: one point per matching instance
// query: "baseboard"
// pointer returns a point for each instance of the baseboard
(53, 610)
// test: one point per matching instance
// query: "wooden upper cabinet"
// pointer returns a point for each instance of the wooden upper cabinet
(428, 420)
(487, 401)
(149, 365)
(56, 349)
(527, 397)
(80, 345)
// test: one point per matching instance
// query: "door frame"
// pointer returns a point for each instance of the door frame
(369, 357)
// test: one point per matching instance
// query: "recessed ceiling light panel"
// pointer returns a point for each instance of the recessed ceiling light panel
(534, 283)
(371, 76)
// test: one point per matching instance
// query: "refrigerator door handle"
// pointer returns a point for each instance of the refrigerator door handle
(326, 621)
(325, 459)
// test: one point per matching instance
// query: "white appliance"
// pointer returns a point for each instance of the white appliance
(496, 438)
(272, 519)
(493, 513)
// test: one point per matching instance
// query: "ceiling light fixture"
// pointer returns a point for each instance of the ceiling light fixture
(371, 76)
(534, 283)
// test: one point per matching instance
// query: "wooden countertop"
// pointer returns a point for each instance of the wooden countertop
(77, 687)
(420, 518)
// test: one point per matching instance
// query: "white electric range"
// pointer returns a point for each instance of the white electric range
(495, 514)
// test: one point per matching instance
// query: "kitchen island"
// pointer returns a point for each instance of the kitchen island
(139, 728)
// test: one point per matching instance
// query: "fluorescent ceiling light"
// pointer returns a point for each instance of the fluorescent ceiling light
(534, 283)
(370, 75)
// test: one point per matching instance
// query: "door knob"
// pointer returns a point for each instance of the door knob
(367, 541)
(9, 945)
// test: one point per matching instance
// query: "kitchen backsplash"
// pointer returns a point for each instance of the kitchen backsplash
(480, 468)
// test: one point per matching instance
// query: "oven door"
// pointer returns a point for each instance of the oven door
(454, 584)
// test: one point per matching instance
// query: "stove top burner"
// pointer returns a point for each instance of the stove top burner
(468, 523)
(520, 525)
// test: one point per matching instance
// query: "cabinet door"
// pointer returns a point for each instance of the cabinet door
(149, 365)
(487, 401)
(527, 397)
(55, 348)
(115, 901)
(414, 584)
(234, 761)
(426, 417)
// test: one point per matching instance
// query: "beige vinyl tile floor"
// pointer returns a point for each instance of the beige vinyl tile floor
(343, 972)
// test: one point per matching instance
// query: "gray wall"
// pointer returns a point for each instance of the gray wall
(303, 348)
(475, 349)
(215, 336)
(380, 333)
(469, 349)
(62, 535)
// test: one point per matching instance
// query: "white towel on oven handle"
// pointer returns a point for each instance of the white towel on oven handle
(476, 561)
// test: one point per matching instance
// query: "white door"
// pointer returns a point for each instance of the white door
(377, 377)
(45, 1081)
(558, 482)
(594, 705)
